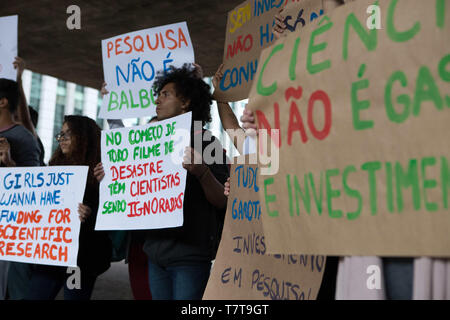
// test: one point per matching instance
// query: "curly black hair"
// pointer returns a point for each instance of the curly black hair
(188, 86)
(9, 89)
(86, 136)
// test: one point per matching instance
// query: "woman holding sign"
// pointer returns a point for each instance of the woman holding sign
(79, 144)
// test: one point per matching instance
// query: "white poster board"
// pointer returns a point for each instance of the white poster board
(131, 62)
(144, 181)
(39, 221)
(8, 46)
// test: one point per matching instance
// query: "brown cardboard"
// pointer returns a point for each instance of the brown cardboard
(243, 269)
(355, 149)
(249, 30)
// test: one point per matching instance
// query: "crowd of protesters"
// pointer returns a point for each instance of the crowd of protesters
(174, 263)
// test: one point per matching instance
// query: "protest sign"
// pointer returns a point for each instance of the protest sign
(243, 269)
(39, 221)
(8, 46)
(363, 120)
(131, 62)
(144, 181)
(249, 30)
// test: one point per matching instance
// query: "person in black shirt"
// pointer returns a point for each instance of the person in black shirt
(180, 258)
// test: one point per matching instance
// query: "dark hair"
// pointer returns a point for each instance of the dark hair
(189, 86)
(10, 90)
(85, 135)
(34, 116)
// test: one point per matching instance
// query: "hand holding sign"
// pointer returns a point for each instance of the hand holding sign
(99, 172)
(5, 153)
(84, 212)
(193, 162)
(19, 65)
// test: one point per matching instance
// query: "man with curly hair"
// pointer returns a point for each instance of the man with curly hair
(180, 258)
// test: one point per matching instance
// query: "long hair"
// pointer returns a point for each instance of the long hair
(10, 90)
(189, 86)
(85, 135)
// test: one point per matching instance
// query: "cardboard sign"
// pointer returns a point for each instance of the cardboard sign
(243, 269)
(249, 30)
(363, 117)
(8, 46)
(39, 221)
(144, 181)
(131, 62)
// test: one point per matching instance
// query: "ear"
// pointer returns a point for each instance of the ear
(3, 102)
(185, 106)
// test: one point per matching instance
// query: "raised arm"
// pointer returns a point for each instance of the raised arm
(229, 121)
(213, 189)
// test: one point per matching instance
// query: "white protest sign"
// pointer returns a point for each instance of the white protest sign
(39, 221)
(8, 46)
(144, 181)
(131, 62)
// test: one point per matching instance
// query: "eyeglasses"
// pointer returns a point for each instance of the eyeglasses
(62, 136)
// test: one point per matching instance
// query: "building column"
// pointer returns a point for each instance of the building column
(26, 83)
(47, 114)
(70, 98)
(90, 103)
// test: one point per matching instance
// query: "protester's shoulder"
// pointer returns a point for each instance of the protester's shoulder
(24, 135)
(22, 132)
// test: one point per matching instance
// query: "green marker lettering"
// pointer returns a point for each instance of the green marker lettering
(405, 180)
(440, 13)
(426, 90)
(368, 38)
(358, 105)
(371, 168)
(293, 63)
(445, 181)
(314, 48)
(332, 193)
(352, 193)
(428, 183)
(267, 91)
(269, 198)
(389, 188)
(403, 99)
(392, 32)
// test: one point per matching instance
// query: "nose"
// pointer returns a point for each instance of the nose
(157, 100)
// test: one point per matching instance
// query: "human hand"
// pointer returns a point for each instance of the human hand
(83, 212)
(103, 90)
(19, 65)
(217, 77)
(198, 70)
(193, 162)
(280, 27)
(248, 122)
(226, 190)
(99, 172)
(5, 153)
